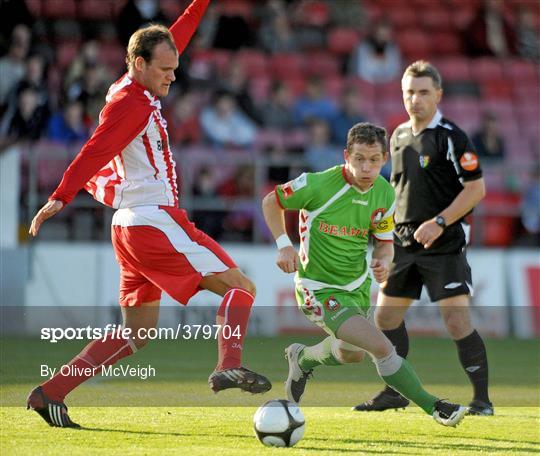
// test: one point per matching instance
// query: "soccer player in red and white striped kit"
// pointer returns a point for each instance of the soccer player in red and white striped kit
(127, 164)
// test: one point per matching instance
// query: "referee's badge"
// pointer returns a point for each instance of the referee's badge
(424, 161)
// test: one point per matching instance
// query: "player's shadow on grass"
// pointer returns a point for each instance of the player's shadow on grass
(175, 434)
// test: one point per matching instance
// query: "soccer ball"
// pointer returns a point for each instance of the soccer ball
(279, 423)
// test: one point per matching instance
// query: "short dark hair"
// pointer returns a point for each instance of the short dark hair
(421, 68)
(144, 40)
(366, 133)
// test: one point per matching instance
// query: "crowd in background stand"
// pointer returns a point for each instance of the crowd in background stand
(55, 73)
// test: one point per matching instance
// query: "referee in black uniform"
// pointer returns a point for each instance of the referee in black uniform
(438, 181)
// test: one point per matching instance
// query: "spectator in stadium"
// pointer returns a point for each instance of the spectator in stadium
(488, 141)
(377, 59)
(320, 153)
(530, 209)
(527, 34)
(35, 77)
(277, 111)
(490, 33)
(238, 222)
(349, 113)
(185, 127)
(236, 83)
(340, 209)
(90, 88)
(12, 65)
(205, 184)
(27, 122)
(438, 181)
(224, 125)
(232, 31)
(277, 36)
(344, 13)
(69, 125)
(314, 103)
(137, 13)
(127, 164)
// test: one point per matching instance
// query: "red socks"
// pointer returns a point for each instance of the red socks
(233, 315)
(86, 364)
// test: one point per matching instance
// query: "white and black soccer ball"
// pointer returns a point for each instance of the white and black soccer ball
(279, 423)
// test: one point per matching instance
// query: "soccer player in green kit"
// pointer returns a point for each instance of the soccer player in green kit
(340, 208)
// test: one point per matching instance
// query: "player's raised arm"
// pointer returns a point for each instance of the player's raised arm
(186, 25)
(287, 259)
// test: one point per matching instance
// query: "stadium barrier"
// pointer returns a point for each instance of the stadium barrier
(506, 297)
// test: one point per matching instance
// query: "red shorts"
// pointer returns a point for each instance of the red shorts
(159, 249)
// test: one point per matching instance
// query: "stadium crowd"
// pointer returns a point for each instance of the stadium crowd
(271, 87)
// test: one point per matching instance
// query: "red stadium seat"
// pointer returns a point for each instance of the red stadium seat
(402, 18)
(254, 62)
(414, 44)
(59, 9)
(296, 85)
(435, 17)
(446, 43)
(241, 8)
(205, 63)
(496, 89)
(486, 69)
(521, 70)
(287, 66)
(342, 40)
(499, 230)
(96, 9)
(321, 64)
(453, 68)
(313, 12)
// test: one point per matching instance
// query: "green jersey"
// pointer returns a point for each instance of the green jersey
(336, 219)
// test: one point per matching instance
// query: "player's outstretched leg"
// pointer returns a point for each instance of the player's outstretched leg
(295, 384)
(233, 316)
(389, 399)
(53, 412)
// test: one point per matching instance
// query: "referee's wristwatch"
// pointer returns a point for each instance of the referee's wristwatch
(440, 220)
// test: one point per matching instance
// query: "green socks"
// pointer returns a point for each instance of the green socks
(317, 355)
(406, 382)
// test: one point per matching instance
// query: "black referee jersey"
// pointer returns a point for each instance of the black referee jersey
(428, 168)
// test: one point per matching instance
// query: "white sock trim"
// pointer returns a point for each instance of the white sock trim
(388, 365)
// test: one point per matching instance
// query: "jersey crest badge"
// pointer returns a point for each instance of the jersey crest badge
(331, 304)
(469, 161)
(377, 216)
(424, 161)
(290, 187)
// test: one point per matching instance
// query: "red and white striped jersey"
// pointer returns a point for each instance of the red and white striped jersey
(144, 172)
(128, 161)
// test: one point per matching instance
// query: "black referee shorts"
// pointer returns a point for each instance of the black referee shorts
(444, 275)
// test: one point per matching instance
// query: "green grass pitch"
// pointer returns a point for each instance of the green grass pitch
(175, 412)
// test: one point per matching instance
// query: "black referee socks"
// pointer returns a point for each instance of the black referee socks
(473, 358)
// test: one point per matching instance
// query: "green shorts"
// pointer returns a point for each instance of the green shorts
(329, 308)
